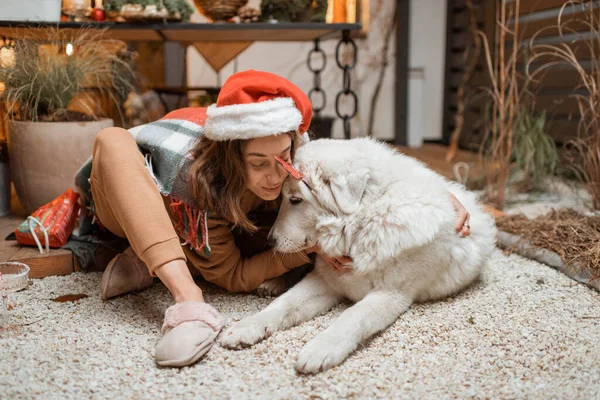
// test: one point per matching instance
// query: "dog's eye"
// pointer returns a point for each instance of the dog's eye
(295, 200)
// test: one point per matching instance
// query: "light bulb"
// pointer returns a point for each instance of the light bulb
(7, 57)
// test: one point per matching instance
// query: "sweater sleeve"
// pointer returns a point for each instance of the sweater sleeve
(226, 267)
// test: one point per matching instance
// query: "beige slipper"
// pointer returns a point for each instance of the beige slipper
(189, 332)
(124, 274)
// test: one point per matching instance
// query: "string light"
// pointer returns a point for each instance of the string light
(7, 53)
(69, 49)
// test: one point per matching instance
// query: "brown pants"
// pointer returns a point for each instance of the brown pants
(128, 202)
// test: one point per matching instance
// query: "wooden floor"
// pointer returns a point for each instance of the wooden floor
(62, 262)
(434, 156)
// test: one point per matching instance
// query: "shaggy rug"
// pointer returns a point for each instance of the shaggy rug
(523, 331)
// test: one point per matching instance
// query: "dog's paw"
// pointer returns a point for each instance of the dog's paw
(245, 333)
(272, 287)
(320, 355)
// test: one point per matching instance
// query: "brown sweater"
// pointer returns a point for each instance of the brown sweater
(241, 261)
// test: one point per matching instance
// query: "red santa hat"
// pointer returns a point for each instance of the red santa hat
(254, 104)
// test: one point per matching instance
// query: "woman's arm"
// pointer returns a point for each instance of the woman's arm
(227, 268)
(462, 221)
(177, 278)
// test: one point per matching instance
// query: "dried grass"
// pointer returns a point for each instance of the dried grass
(573, 236)
(505, 95)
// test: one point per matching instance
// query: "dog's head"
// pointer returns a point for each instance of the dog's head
(316, 209)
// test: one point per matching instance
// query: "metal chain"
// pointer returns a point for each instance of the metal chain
(347, 90)
(316, 90)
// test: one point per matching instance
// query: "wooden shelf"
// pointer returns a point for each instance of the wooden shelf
(185, 32)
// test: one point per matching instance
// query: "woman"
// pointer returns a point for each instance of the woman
(220, 198)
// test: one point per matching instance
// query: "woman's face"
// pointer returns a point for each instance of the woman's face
(264, 175)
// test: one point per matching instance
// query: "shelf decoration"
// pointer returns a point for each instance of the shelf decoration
(294, 10)
(219, 10)
(148, 10)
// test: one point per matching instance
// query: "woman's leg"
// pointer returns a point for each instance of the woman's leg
(129, 204)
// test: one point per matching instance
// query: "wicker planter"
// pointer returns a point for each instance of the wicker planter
(44, 157)
(219, 10)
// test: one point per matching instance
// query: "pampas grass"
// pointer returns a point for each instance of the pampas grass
(505, 95)
(44, 79)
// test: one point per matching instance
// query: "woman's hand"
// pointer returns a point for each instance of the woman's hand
(462, 223)
(340, 264)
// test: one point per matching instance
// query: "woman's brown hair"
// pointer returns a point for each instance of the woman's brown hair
(217, 178)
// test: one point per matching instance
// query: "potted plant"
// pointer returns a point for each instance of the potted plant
(53, 88)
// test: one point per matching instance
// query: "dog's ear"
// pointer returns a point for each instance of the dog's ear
(348, 190)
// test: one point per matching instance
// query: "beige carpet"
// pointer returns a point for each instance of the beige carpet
(524, 331)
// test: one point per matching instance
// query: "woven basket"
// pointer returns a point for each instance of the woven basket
(219, 10)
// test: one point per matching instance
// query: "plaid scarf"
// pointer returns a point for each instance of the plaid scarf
(165, 145)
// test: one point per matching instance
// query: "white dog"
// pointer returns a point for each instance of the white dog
(394, 217)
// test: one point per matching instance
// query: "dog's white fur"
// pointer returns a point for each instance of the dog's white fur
(394, 217)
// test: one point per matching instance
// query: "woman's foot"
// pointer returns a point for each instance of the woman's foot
(190, 326)
(189, 332)
(124, 274)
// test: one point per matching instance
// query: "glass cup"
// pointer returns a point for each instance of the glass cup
(13, 277)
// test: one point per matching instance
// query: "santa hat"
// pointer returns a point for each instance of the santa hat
(254, 104)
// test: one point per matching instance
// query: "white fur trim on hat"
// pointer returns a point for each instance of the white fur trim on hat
(253, 120)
